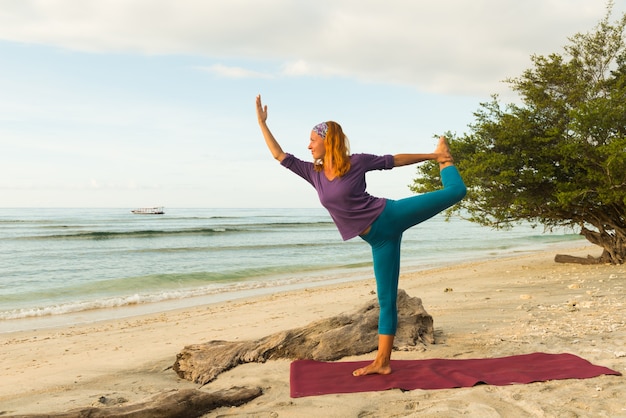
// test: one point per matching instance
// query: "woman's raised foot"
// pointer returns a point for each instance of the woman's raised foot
(443, 152)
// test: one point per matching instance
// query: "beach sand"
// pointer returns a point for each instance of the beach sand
(515, 305)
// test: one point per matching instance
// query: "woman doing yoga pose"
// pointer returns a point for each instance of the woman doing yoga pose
(339, 179)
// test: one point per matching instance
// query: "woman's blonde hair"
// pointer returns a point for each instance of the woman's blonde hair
(337, 149)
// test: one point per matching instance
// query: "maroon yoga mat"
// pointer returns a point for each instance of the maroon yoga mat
(310, 377)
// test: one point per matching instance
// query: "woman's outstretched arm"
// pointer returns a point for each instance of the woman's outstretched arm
(272, 144)
(407, 159)
(441, 155)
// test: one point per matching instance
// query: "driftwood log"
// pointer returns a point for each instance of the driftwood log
(188, 403)
(564, 258)
(326, 340)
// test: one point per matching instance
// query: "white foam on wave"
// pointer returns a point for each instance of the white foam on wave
(167, 295)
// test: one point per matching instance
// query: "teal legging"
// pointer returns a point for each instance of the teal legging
(385, 237)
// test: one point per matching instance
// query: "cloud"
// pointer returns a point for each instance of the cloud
(450, 46)
(225, 71)
(297, 68)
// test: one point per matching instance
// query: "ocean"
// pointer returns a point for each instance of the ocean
(65, 266)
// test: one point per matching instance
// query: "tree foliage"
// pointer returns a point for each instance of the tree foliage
(559, 157)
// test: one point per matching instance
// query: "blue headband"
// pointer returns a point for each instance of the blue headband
(321, 129)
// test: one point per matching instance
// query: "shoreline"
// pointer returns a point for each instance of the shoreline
(315, 279)
(508, 305)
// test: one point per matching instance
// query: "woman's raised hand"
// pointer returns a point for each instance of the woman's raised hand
(261, 111)
(272, 144)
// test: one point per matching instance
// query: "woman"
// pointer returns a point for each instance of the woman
(339, 179)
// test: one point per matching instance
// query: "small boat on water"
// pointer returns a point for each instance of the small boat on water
(158, 210)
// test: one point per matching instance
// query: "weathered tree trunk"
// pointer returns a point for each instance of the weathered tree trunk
(328, 339)
(613, 245)
(188, 403)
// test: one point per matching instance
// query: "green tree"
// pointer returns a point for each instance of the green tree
(558, 158)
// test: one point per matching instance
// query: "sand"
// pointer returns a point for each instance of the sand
(515, 305)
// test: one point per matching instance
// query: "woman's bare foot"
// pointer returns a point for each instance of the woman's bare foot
(444, 158)
(372, 368)
(380, 365)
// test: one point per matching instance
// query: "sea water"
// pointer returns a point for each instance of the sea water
(56, 262)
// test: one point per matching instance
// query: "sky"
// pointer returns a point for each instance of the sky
(134, 103)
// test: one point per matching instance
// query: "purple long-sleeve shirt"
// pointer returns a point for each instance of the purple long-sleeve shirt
(346, 199)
